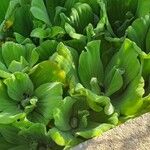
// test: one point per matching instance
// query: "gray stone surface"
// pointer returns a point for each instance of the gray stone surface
(132, 135)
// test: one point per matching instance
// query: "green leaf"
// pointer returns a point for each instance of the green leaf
(57, 31)
(93, 4)
(46, 71)
(143, 8)
(10, 134)
(2, 66)
(40, 33)
(72, 33)
(103, 19)
(23, 147)
(78, 44)
(9, 110)
(90, 64)
(23, 20)
(9, 16)
(7, 118)
(13, 5)
(16, 66)
(31, 54)
(52, 6)
(94, 130)
(61, 138)
(39, 11)
(57, 18)
(19, 85)
(95, 86)
(139, 32)
(4, 144)
(113, 81)
(122, 16)
(12, 51)
(130, 102)
(6, 104)
(81, 15)
(21, 39)
(69, 4)
(3, 8)
(26, 138)
(145, 106)
(46, 49)
(83, 118)
(34, 58)
(49, 97)
(101, 117)
(4, 74)
(126, 59)
(63, 113)
(146, 73)
(65, 57)
(36, 132)
(95, 102)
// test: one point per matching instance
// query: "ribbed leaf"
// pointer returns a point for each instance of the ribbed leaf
(126, 59)
(49, 97)
(45, 72)
(90, 64)
(19, 86)
(39, 11)
(139, 32)
(12, 51)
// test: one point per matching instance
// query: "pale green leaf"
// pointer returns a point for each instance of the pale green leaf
(61, 138)
(19, 86)
(46, 71)
(12, 51)
(39, 11)
(91, 131)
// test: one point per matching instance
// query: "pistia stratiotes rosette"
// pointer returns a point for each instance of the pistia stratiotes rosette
(33, 136)
(71, 69)
(21, 97)
(115, 80)
(42, 102)
(45, 103)
(15, 57)
(124, 13)
(139, 32)
(72, 17)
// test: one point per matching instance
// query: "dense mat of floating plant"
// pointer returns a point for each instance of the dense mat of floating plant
(71, 69)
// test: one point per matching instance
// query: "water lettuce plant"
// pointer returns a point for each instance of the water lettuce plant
(71, 69)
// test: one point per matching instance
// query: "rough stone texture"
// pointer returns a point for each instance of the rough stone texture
(132, 135)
